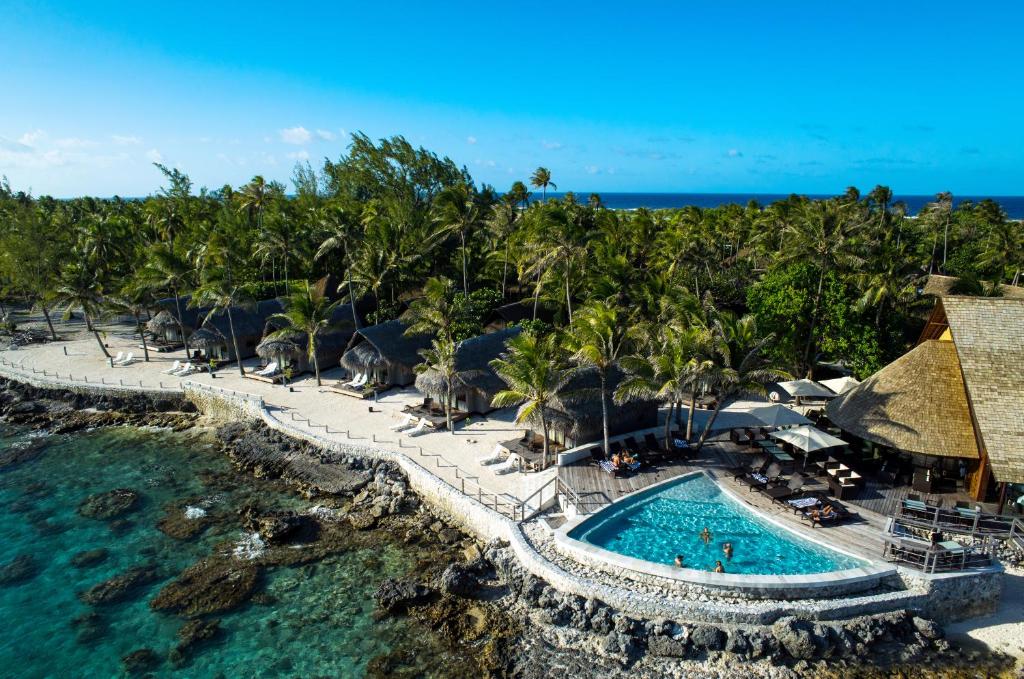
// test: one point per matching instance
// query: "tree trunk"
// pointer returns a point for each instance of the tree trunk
(49, 323)
(316, 363)
(711, 422)
(234, 341)
(814, 323)
(690, 415)
(536, 297)
(945, 243)
(568, 297)
(504, 272)
(668, 424)
(465, 274)
(142, 334)
(181, 326)
(544, 429)
(352, 299)
(96, 334)
(449, 395)
(604, 414)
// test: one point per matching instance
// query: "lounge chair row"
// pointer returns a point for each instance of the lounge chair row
(765, 476)
(179, 369)
(493, 460)
(411, 427)
(121, 360)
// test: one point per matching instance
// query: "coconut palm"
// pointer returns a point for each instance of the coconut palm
(599, 336)
(434, 313)
(536, 373)
(221, 292)
(79, 288)
(135, 300)
(341, 236)
(502, 224)
(438, 376)
(309, 312)
(166, 270)
(541, 179)
(458, 209)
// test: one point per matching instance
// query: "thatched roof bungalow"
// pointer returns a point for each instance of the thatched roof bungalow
(291, 349)
(575, 418)
(958, 394)
(163, 326)
(213, 340)
(477, 381)
(385, 353)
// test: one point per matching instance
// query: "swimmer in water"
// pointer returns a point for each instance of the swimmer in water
(705, 535)
(719, 568)
(679, 560)
(727, 550)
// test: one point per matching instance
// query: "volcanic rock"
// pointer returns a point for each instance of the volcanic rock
(108, 505)
(20, 569)
(212, 585)
(89, 557)
(397, 596)
(120, 587)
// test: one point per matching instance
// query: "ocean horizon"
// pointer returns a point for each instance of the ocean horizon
(626, 200)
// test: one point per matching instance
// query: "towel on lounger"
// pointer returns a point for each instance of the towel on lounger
(804, 502)
(760, 478)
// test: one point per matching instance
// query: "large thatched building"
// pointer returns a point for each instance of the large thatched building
(385, 353)
(164, 327)
(213, 341)
(290, 349)
(575, 418)
(477, 383)
(957, 396)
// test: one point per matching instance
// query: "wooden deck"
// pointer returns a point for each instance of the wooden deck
(597, 488)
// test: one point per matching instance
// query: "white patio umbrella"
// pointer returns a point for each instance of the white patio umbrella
(778, 416)
(807, 438)
(806, 389)
(841, 385)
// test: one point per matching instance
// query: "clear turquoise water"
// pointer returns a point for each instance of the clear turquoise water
(318, 621)
(659, 524)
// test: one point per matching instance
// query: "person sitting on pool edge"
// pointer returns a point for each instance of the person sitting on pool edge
(719, 568)
(705, 535)
(679, 560)
(727, 550)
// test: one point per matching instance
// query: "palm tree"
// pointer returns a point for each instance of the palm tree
(444, 379)
(518, 194)
(894, 281)
(341, 235)
(738, 367)
(541, 179)
(457, 209)
(222, 294)
(310, 312)
(133, 299)
(79, 288)
(599, 335)
(536, 374)
(502, 224)
(824, 236)
(166, 270)
(434, 313)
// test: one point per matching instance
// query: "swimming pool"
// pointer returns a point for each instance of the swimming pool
(657, 524)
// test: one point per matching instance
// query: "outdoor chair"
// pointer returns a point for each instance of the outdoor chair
(787, 492)
(185, 369)
(757, 465)
(420, 427)
(652, 443)
(757, 480)
(493, 457)
(174, 366)
(818, 516)
(509, 465)
(631, 444)
(406, 422)
(126, 360)
(616, 448)
(117, 359)
(597, 454)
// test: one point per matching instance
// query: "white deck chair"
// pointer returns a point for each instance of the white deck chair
(419, 428)
(269, 370)
(493, 457)
(352, 382)
(363, 379)
(117, 359)
(185, 369)
(508, 466)
(176, 366)
(130, 358)
(404, 424)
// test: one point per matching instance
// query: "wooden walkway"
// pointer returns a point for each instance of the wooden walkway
(597, 488)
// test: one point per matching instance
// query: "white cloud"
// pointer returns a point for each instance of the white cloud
(74, 143)
(30, 138)
(551, 145)
(592, 169)
(326, 135)
(471, 140)
(154, 156)
(299, 155)
(126, 140)
(296, 135)
(735, 153)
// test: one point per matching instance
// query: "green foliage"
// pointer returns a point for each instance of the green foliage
(472, 312)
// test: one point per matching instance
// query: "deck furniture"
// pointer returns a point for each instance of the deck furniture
(631, 444)
(755, 480)
(652, 443)
(493, 457)
(781, 493)
(408, 421)
(512, 464)
(420, 427)
(758, 465)
(174, 366)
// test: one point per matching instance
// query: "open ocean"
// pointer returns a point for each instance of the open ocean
(1013, 205)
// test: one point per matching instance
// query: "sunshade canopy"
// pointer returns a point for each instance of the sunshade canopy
(840, 385)
(806, 389)
(807, 438)
(778, 416)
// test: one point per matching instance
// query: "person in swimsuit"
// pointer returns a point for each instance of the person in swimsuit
(719, 568)
(727, 550)
(705, 535)
(679, 560)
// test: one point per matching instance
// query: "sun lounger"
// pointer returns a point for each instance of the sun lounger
(186, 369)
(631, 444)
(126, 360)
(354, 382)
(761, 479)
(597, 454)
(175, 366)
(782, 493)
(607, 466)
(803, 503)
(420, 427)
(407, 422)
(508, 466)
(817, 516)
(269, 370)
(117, 359)
(493, 457)
(652, 443)
(360, 381)
(757, 465)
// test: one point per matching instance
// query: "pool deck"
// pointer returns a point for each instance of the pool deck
(596, 488)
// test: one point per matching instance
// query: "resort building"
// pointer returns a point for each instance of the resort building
(477, 381)
(290, 350)
(213, 341)
(164, 327)
(385, 355)
(953, 403)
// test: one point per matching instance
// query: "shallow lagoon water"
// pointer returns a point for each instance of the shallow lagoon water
(317, 620)
(658, 524)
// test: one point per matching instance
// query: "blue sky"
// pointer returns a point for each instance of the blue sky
(667, 96)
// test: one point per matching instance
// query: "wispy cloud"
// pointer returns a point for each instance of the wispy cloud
(734, 153)
(470, 139)
(299, 155)
(551, 145)
(125, 140)
(296, 135)
(326, 135)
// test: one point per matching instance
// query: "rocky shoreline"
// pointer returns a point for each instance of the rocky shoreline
(497, 618)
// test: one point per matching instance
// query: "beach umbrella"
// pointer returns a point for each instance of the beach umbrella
(778, 416)
(841, 385)
(807, 438)
(806, 389)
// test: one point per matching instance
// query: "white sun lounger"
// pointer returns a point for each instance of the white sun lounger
(419, 428)
(493, 457)
(352, 382)
(359, 381)
(185, 369)
(130, 358)
(269, 370)
(508, 466)
(176, 366)
(117, 359)
(404, 424)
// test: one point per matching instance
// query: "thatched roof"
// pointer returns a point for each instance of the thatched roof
(916, 404)
(472, 361)
(294, 343)
(250, 323)
(206, 339)
(989, 336)
(167, 313)
(578, 408)
(291, 344)
(940, 286)
(385, 344)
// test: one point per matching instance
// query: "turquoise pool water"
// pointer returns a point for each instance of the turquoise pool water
(658, 524)
(314, 620)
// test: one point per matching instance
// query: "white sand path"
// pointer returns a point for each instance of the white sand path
(1003, 630)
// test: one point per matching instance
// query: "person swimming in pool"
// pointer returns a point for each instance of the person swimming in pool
(719, 568)
(679, 560)
(727, 550)
(705, 535)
